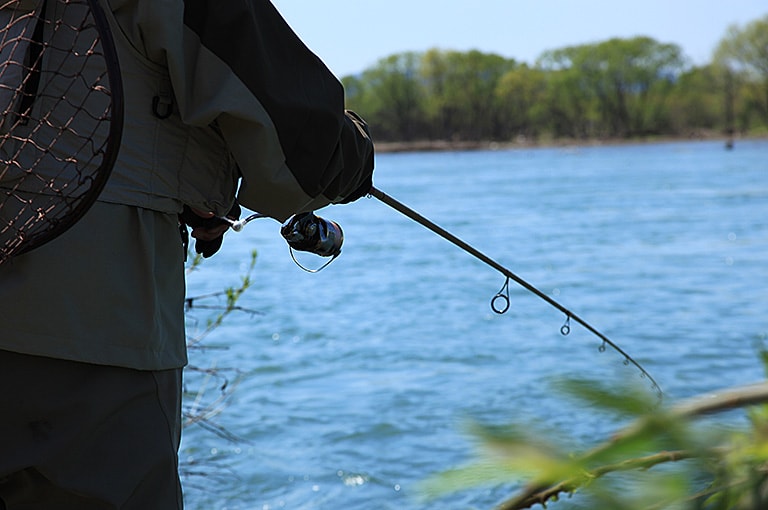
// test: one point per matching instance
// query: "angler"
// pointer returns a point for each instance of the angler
(222, 103)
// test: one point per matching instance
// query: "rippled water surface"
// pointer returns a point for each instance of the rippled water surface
(357, 382)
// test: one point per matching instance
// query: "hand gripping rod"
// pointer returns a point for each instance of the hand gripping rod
(418, 218)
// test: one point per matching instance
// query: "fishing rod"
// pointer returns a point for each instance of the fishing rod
(310, 233)
(503, 294)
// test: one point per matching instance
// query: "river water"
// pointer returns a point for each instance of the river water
(355, 384)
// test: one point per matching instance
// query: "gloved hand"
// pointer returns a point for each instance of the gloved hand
(207, 229)
(358, 154)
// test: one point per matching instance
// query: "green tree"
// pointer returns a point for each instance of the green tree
(520, 93)
(567, 99)
(391, 96)
(462, 93)
(618, 87)
(613, 88)
(356, 93)
(744, 53)
(696, 101)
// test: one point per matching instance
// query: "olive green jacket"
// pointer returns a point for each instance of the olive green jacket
(245, 99)
(222, 100)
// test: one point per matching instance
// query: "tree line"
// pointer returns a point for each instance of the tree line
(618, 88)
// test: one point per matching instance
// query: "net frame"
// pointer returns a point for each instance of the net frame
(61, 117)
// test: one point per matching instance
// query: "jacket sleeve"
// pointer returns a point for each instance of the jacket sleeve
(279, 108)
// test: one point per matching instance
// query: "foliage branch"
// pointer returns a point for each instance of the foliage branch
(697, 463)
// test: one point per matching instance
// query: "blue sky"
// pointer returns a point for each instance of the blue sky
(351, 35)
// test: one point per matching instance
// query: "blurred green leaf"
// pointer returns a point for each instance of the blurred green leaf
(664, 458)
(623, 400)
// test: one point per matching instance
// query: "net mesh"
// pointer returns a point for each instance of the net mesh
(60, 117)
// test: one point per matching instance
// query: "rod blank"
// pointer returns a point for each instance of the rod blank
(418, 218)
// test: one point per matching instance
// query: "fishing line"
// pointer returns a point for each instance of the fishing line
(500, 302)
(237, 225)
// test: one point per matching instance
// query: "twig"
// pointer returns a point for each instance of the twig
(539, 495)
(710, 403)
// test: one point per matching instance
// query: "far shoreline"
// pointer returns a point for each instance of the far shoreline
(526, 143)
